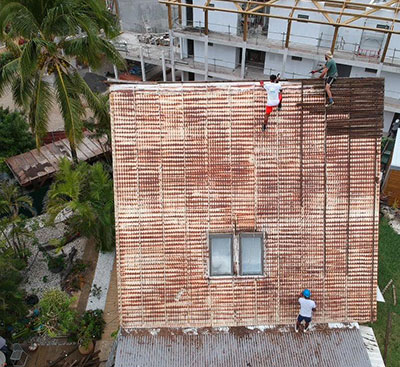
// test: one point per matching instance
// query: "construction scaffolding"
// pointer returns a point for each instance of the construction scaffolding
(336, 13)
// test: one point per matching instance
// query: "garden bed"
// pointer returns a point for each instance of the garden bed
(38, 277)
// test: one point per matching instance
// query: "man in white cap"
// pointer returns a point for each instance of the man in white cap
(330, 73)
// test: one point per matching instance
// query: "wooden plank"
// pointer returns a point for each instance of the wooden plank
(83, 147)
(57, 152)
(94, 148)
(81, 156)
(51, 158)
(17, 165)
(43, 161)
(34, 169)
(63, 147)
(392, 187)
(33, 165)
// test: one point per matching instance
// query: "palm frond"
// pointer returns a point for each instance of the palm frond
(111, 53)
(71, 107)
(18, 17)
(8, 73)
(79, 47)
(22, 92)
(41, 104)
(29, 58)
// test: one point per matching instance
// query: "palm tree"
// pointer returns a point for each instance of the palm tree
(14, 234)
(12, 201)
(86, 191)
(55, 33)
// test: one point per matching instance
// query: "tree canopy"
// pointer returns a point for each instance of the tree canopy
(45, 38)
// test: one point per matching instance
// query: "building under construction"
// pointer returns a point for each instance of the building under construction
(222, 225)
(231, 40)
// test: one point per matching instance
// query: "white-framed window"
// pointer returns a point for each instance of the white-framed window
(236, 255)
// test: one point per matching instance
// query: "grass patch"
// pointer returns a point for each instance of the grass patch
(389, 268)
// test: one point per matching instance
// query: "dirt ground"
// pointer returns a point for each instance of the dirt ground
(56, 123)
(111, 318)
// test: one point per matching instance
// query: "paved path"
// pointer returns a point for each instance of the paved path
(111, 317)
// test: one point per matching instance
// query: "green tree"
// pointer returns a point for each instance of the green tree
(88, 192)
(14, 234)
(15, 137)
(56, 32)
(12, 304)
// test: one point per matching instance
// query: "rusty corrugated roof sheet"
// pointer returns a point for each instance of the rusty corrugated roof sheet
(36, 166)
(190, 159)
(243, 347)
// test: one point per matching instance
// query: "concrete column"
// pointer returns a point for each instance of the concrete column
(205, 57)
(378, 72)
(243, 62)
(183, 76)
(164, 69)
(142, 64)
(181, 47)
(115, 72)
(284, 62)
(172, 54)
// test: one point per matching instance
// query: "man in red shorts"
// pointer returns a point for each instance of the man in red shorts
(274, 96)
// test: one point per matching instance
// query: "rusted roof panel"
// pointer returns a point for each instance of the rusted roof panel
(35, 166)
(242, 347)
(190, 159)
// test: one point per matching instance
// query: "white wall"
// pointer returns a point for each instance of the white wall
(387, 120)
(217, 21)
(217, 55)
(298, 69)
(392, 84)
(273, 63)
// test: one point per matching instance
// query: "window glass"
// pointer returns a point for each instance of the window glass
(221, 255)
(251, 255)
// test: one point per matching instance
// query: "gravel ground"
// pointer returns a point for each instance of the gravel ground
(394, 220)
(38, 278)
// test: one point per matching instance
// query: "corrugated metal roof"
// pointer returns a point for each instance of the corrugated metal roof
(190, 159)
(371, 346)
(243, 347)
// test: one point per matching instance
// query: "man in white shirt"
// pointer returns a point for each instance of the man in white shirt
(307, 306)
(274, 96)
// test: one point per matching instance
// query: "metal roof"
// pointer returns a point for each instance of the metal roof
(190, 159)
(242, 347)
(37, 166)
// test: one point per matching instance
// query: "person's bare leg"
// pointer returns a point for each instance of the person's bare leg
(297, 325)
(265, 121)
(306, 326)
(328, 91)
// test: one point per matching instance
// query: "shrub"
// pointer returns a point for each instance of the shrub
(12, 298)
(56, 316)
(88, 192)
(15, 137)
(91, 327)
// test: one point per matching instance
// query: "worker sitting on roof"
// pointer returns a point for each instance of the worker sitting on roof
(330, 73)
(307, 306)
(274, 96)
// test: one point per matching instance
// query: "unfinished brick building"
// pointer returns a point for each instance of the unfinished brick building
(219, 223)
